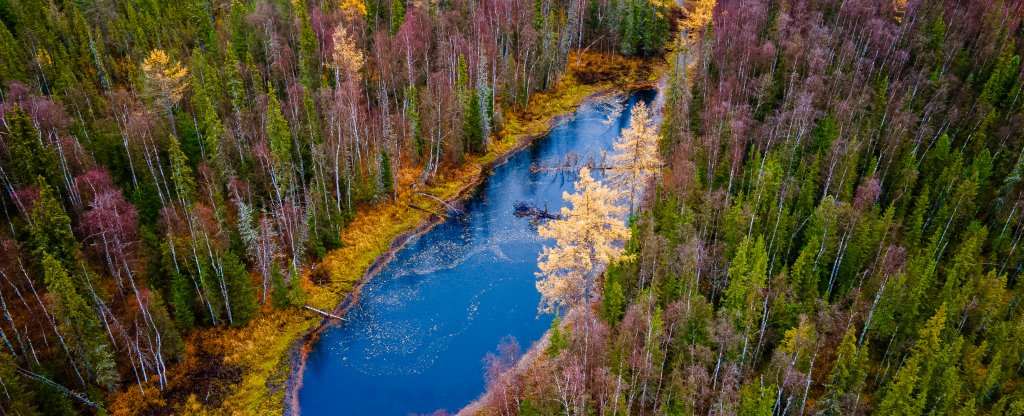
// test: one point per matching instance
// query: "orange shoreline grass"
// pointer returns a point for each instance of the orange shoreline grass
(263, 349)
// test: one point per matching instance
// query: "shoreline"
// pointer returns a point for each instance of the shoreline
(301, 347)
(525, 361)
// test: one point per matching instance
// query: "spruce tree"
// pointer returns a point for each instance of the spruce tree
(848, 373)
(183, 300)
(472, 126)
(240, 288)
(18, 395)
(50, 229)
(181, 173)
(397, 16)
(12, 64)
(79, 324)
(30, 159)
(309, 58)
(747, 275)
(280, 138)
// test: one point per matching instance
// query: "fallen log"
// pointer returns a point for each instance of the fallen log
(325, 314)
(453, 209)
(523, 209)
(57, 386)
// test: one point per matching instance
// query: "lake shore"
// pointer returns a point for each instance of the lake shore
(528, 358)
(258, 367)
(301, 350)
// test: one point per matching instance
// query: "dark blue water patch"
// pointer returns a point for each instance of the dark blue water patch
(415, 341)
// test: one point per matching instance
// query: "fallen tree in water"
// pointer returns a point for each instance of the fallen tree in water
(524, 209)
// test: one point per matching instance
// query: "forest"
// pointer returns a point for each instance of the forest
(836, 228)
(172, 171)
(825, 210)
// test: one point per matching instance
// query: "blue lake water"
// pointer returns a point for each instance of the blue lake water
(415, 341)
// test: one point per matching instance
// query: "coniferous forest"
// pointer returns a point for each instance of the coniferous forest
(825, 203)
(172, 169)
(836, 230)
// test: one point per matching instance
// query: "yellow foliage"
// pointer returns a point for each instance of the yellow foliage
(261, 348)
(899, 7)
(347, 57)
(636, 155)
(44, 57)
(586, 238)
(698, 15)
(353, 7)
(168, 79)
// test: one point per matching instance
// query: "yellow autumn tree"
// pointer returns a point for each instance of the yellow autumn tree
(636, 155)
(587, 237)
(347, 60)
(166, 81)
(353, 8)
(698, 15)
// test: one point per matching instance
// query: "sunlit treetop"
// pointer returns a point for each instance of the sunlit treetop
(167, 78)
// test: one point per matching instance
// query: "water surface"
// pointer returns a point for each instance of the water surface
(415, 341)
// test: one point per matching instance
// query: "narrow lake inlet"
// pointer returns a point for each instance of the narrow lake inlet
(415, 340)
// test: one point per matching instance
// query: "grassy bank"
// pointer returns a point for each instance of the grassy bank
(245, 370)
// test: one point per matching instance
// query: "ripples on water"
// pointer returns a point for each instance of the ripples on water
(415, 341)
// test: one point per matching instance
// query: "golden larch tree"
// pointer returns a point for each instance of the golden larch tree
(587, 237)
(166, 81)
(347, 60)
(698, 15)
(636, 155)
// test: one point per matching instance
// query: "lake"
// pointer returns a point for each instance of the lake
(415, 340)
